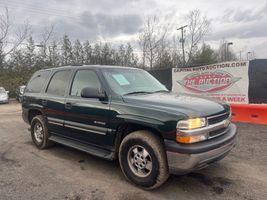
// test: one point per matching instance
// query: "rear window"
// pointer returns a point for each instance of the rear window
(37, 81)
(58, 83)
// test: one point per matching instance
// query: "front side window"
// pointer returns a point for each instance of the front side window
(82, 79)
(59, 83)
(37, 81)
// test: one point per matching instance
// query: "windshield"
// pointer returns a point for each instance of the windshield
(2, 90)
(130, 81)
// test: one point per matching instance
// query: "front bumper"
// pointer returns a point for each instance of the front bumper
(3, 100)
(184, 158)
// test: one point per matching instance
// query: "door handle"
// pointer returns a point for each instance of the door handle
(44, 102)
(68, 105)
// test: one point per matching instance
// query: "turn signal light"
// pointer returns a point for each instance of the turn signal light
(190, 139)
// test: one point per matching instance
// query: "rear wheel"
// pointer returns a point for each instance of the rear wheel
(39, 132)
(143, 159)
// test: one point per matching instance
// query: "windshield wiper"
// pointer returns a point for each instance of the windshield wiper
(146, 92)
(161, 91)
(138, 92)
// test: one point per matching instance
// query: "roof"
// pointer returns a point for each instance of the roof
(90, 66)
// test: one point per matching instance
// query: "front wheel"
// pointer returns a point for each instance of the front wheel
(143, 159)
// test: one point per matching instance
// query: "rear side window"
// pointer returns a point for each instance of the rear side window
(37, 81)
(59, 83)
(82, 79)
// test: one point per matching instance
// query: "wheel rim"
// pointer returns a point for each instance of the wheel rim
(38, 132)
(139, 161)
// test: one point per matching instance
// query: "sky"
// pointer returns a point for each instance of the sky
(243, 22)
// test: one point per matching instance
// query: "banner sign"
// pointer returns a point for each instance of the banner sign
(226, 81)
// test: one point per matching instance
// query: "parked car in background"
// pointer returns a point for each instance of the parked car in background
(3, 95)
(19, 92)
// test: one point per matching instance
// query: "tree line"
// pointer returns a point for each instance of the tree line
(24, 61)
(22, 56)
(66, 52)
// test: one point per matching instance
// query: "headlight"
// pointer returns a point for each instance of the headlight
(191, 123)
(183, 130)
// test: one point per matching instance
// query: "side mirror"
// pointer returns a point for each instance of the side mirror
(89, 92)
(7, 92)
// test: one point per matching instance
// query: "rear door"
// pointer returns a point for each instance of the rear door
(54, 100)
(32, 93)
(87, 119)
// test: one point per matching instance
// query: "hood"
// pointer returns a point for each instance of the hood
(3, 95)
(190, 105)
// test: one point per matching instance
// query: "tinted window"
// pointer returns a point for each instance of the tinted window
(82, 79)
(37, 81)
(58, 83)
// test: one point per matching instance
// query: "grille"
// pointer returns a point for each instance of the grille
(217, 133)
(218, 118)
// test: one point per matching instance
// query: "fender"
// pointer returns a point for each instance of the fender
(27, 110)
(165, 129)
(141, 120)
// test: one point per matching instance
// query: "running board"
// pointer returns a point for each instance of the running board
(83, 147)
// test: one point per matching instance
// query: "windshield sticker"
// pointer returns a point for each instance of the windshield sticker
(121, 79)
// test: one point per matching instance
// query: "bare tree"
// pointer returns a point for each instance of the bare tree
(163, 48)
(20, 34)
(4, 25)
(143, 47)
(54, 54)
(150, 39)
(176, 53)
(77, 52)
(198, 27)
(46, 50)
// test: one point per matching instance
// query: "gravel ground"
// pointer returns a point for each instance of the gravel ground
(64, 173)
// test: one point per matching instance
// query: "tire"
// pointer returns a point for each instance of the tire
(143, 159)
(40, 133)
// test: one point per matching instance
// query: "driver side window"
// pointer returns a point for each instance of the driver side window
(82, 79)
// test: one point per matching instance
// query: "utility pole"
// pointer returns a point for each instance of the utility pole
(182, 41)
(248, 55)
(225, 52)
(228, 52)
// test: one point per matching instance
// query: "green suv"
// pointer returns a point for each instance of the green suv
(126, 114)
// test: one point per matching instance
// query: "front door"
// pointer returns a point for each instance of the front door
(87, 119)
